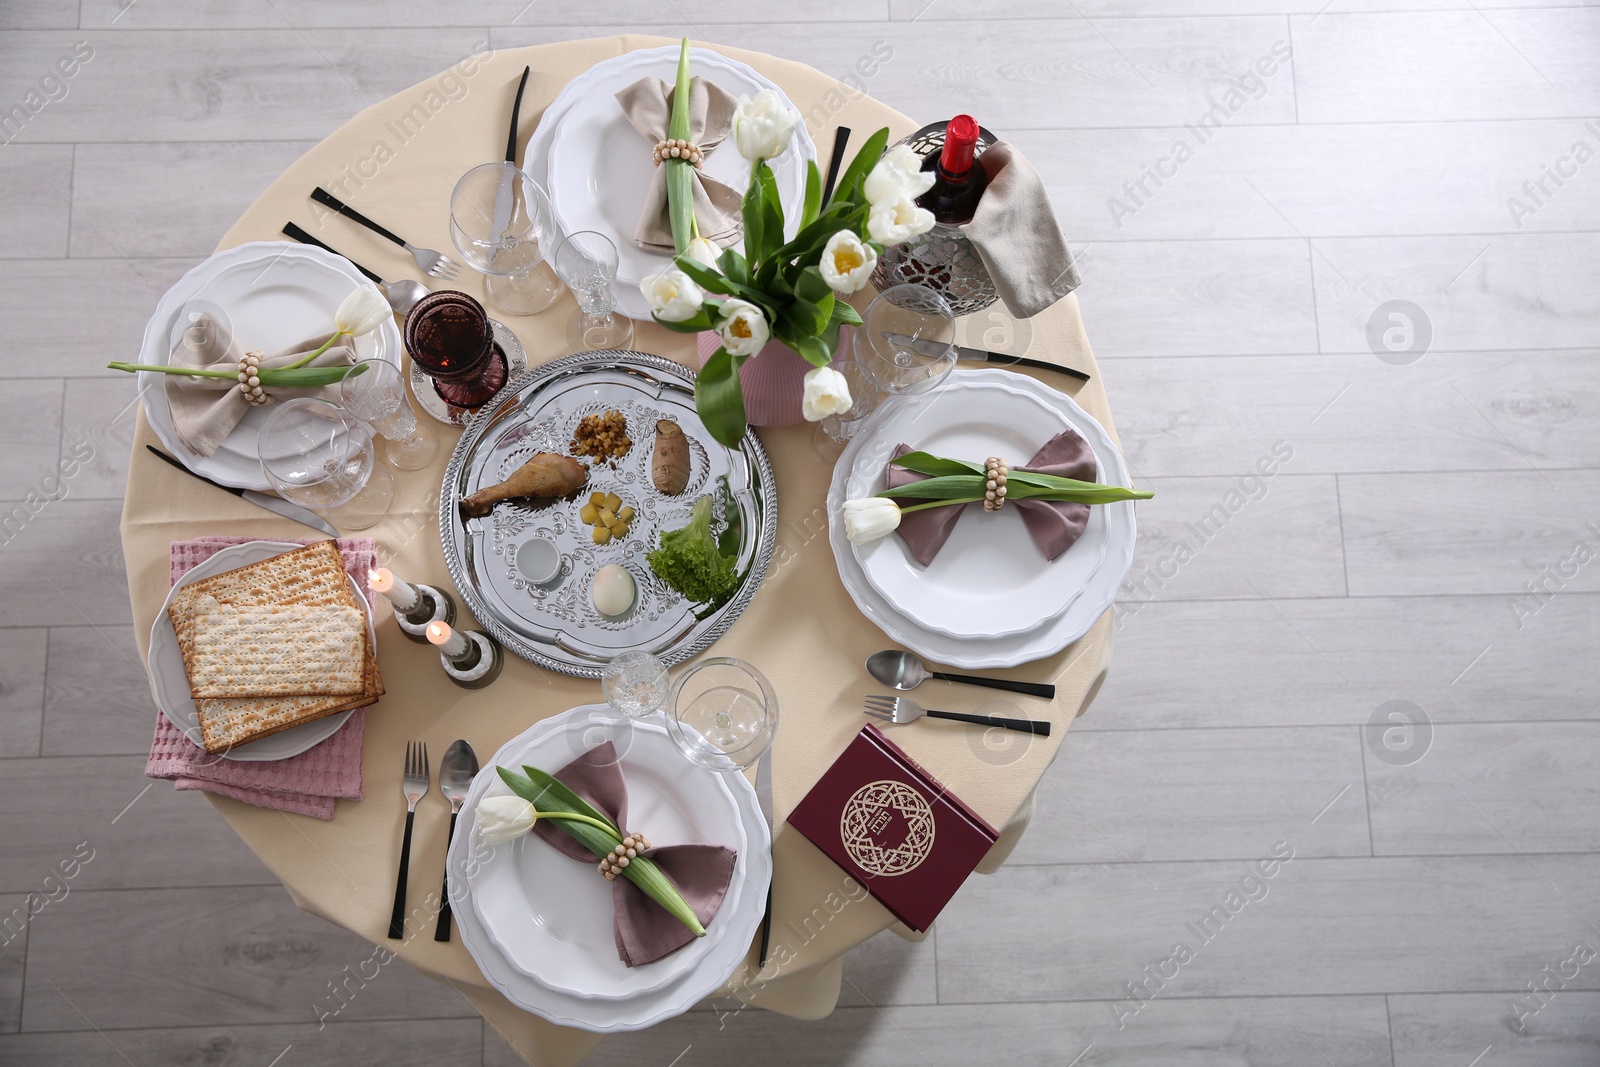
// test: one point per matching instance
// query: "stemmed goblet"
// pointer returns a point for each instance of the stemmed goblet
(374, 391)
(314, 453)
(500, 222)
(724, 713)
(910, 339)
(587, 262)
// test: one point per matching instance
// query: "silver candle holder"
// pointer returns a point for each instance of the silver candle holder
(471, 658)
(431, 605)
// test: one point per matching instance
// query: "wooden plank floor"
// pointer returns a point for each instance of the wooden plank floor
(1441, 870)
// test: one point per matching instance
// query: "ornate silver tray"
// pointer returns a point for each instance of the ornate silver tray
(555, 625)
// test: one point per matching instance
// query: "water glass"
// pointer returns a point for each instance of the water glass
(587, 263)
(500, 222)
(724, 713)
(315, 454)
(910, 339)
(374, 391)
(863, 401)
(635, 684)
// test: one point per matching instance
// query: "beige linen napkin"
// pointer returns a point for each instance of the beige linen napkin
(1017, 236)
(205, 410)
(647, 103)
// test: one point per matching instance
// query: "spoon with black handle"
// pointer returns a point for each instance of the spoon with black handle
(903, 671)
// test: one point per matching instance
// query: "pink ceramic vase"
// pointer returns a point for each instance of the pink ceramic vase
(773, 381)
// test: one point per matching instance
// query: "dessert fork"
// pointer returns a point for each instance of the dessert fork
(900, 711)
(436, 264)
(415, 787)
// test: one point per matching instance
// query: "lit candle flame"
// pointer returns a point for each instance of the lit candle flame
(439, 632)
(380, 579)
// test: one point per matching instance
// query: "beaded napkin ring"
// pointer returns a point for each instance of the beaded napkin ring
(676, 148)
(994, 488)
(250, 379)
(620, 856)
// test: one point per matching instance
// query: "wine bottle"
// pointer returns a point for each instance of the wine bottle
(959, 179)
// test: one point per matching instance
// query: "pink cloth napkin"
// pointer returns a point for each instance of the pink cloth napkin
(644, 930)
(307, 784)
(1055, 525)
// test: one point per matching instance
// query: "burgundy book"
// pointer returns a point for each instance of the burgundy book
(894, 828)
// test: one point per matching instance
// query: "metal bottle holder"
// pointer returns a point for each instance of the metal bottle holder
(942, 259)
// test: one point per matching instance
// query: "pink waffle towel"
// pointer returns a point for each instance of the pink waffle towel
(307, 784)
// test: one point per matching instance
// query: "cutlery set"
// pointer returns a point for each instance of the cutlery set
(903, 671)
(456, 772)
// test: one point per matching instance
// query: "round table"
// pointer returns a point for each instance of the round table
(401, 158)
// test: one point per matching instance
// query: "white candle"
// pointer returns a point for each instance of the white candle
(405, 598)
(452, 644)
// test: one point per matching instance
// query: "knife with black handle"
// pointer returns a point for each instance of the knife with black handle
(277, 505)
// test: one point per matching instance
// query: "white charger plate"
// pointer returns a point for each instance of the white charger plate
(1098, 591)
(596, 166)
(169, 683)
(989, 579)
(274, 293)
(645, 1010)
(546, 912)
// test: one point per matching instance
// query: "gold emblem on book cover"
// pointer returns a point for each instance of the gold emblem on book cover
(887, 828)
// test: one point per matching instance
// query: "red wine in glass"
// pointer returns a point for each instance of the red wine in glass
(451, 339)
(959, 179)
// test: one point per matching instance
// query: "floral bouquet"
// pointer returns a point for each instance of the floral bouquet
(789, 290)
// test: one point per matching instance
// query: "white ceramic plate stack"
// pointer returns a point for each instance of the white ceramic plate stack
(597, 169)
(169, 683)
(539, 924)
(988, 599)
(274, 294)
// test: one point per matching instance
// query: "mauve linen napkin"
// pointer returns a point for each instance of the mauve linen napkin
(647, 103)
(645, 931)
(1017, 236)
(1054, 524)
(205, 410)
(307, 784)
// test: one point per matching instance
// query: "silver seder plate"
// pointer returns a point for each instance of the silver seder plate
(555, 625)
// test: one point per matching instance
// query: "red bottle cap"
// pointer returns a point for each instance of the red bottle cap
(960, 141)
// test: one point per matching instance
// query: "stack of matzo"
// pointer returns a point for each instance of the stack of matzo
(273, 645)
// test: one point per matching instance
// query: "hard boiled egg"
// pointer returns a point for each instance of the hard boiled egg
(613, 590)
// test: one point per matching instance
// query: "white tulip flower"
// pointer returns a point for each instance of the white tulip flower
(847, 262)
(827, 392)
(705, 253)
(898, 172)
(502, 819)
(898, 219)
(673, 295)
(743, 328)
(361, 312)
(870, 518)
(762, 125)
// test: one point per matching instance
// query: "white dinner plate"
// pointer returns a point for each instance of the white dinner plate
(274, 294)
(646, 1009)
(551, 916)
(1098, 592)
(169, 683)
(596, 166)
(989, 579)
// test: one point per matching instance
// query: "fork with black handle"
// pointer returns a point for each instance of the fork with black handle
(433, 263)
(900, 711)
(415, 787)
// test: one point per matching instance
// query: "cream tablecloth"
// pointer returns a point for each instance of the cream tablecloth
(400, 158)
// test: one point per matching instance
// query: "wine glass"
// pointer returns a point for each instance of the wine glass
(587, 262)
(315, 454)
(635, 684)
(724, 713)
(500, 222)
(910, 334)
(451, 339)
(374, 391)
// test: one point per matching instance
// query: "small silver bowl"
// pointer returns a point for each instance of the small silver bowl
(538, 559)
